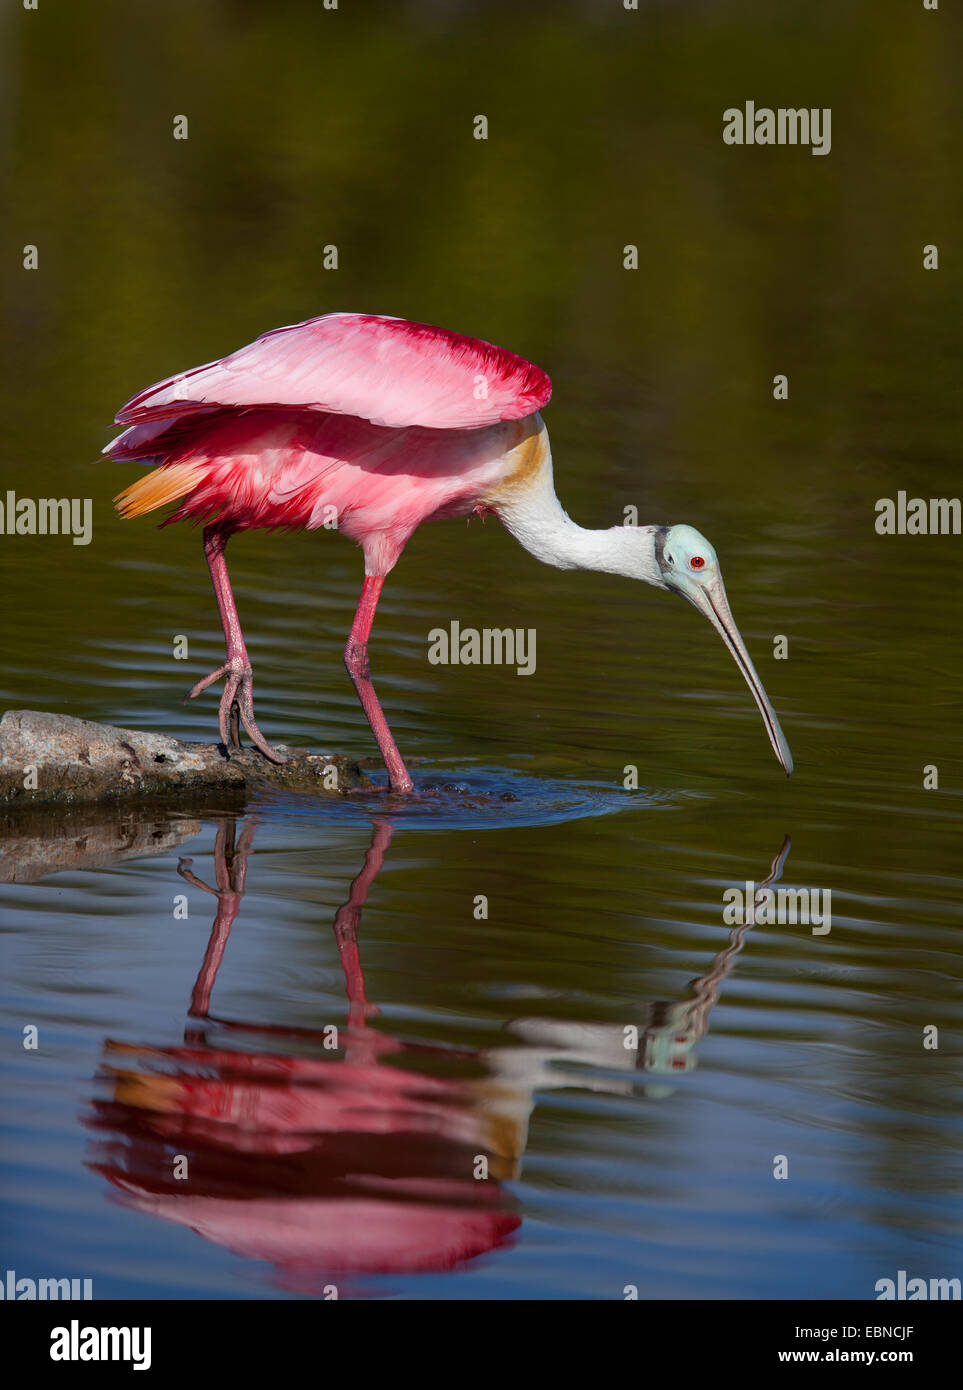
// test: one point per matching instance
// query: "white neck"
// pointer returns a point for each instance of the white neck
(537, 520)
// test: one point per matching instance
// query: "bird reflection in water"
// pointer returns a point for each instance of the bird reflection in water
(336, 1153)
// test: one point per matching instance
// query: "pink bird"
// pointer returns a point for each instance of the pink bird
(373, 425)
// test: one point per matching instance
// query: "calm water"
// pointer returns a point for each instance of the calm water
(174, 1021)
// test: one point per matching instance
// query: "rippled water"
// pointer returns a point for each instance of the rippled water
(527, 971)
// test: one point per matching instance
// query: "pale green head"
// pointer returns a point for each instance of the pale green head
(689, 566)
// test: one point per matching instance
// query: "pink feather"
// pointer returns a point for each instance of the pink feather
(386, 370)
(367, 424)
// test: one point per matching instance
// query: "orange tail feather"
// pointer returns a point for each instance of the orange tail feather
(157, 488)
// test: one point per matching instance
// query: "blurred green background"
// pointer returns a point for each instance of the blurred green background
(354, 128)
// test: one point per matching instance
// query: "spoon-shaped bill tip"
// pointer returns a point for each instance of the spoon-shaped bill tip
(710, 599)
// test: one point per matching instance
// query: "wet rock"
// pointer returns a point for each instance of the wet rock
(47, 840)
(54, 758)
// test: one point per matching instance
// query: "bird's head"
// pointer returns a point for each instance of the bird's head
(688, 565)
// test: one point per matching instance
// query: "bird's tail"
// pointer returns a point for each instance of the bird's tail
(157, 488)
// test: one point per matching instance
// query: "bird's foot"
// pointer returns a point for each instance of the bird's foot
(237, 704)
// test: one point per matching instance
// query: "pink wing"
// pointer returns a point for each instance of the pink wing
(386, 370)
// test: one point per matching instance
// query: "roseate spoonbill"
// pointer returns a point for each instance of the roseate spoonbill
(377, 424)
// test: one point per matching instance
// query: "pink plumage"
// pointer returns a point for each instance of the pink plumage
(275, 468)
(370, 426)
(366, 424)
(386, 370)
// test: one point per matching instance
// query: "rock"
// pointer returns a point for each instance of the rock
(47, 840)
(54, 758)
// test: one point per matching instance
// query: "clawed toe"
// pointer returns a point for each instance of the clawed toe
(237, 707)
(201, 686)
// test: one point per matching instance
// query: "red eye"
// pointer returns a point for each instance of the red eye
(697, 562)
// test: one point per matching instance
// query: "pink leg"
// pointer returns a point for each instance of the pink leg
(356, 660)
(239, 686)
(230, 870)
(348, 920)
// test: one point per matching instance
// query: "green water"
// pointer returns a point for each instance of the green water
(501, 1035)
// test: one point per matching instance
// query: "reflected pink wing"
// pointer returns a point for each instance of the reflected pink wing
(386, 370)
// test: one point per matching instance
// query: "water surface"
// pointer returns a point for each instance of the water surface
(178, 1021)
